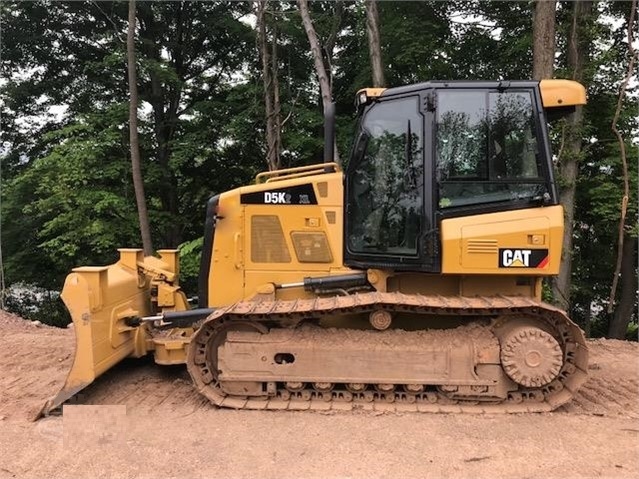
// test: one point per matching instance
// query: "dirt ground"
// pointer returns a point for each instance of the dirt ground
(142, 420)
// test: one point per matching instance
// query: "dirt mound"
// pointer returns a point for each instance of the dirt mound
(35, 359)
(11, 322)
(613, 384)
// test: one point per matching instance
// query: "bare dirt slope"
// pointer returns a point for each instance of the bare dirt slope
(159, 427)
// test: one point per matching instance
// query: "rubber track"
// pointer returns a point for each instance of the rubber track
(572, 375)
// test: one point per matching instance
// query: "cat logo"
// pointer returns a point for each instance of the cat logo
(523, 258)
(516, 258)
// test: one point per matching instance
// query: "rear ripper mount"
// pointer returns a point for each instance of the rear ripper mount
(513, 354)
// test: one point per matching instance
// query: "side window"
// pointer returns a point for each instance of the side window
(386, 183)
(486, 148)
(461, 136)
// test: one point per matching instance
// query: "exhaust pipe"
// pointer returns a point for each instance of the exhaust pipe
(329, 132)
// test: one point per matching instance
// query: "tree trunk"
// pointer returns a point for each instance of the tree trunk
(544, 39)
(138, 183)
(374, 47)
(277, 107)
(329, 45)
(316, 51)
(165, 102)
(626, 305)
(269, 72)
(569, 162)
(624, 160)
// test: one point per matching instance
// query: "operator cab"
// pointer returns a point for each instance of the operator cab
(445, 149)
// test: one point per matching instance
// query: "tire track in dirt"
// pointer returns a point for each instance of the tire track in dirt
(613, 386)
(604, 398)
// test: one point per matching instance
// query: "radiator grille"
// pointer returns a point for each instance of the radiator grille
(267, 240)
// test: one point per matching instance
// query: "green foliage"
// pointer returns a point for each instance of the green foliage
(599, 188)
(546, 292)
(632, 334)
(75, 203)
(599, 329)
(190, 254)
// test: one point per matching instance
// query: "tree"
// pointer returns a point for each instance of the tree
(419, 38)
(544, 39)
(374, 46)
(76, 205)
(600, 181)
(271, 88)
(624, 309)
(44, 68)
(138, 183)
(626, 259)
(316, 52)
(577, 55)
(198, 149)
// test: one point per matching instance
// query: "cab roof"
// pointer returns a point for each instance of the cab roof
(554, 92)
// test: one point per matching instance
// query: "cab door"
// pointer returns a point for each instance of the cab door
(388, 189)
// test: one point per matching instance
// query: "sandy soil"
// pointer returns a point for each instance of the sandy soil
(142, 420)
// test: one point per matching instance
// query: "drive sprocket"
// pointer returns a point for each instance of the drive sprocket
(531, 357)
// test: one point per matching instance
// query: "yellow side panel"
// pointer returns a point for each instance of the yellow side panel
(520, 242)
(257, 244)
(294, 241)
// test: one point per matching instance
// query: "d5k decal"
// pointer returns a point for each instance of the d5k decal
(523, 258)
(292, 195)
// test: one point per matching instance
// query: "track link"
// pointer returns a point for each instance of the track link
(254, 315)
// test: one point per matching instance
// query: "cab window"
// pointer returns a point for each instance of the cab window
(486, 148)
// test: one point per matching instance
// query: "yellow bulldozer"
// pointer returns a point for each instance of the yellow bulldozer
(411, 280)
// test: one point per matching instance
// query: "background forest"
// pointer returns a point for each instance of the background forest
(227, 89)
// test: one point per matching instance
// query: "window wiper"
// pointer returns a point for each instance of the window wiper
(541, 195)
(362, 142)
(359, 149)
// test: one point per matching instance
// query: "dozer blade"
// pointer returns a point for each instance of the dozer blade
(99, 300)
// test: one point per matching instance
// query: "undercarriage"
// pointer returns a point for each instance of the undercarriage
(484, 354)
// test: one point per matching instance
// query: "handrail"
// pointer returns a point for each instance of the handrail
(296, 172)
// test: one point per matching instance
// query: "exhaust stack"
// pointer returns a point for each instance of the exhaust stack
(329, 132)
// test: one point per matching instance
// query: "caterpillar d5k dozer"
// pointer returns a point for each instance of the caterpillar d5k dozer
(412, 280)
